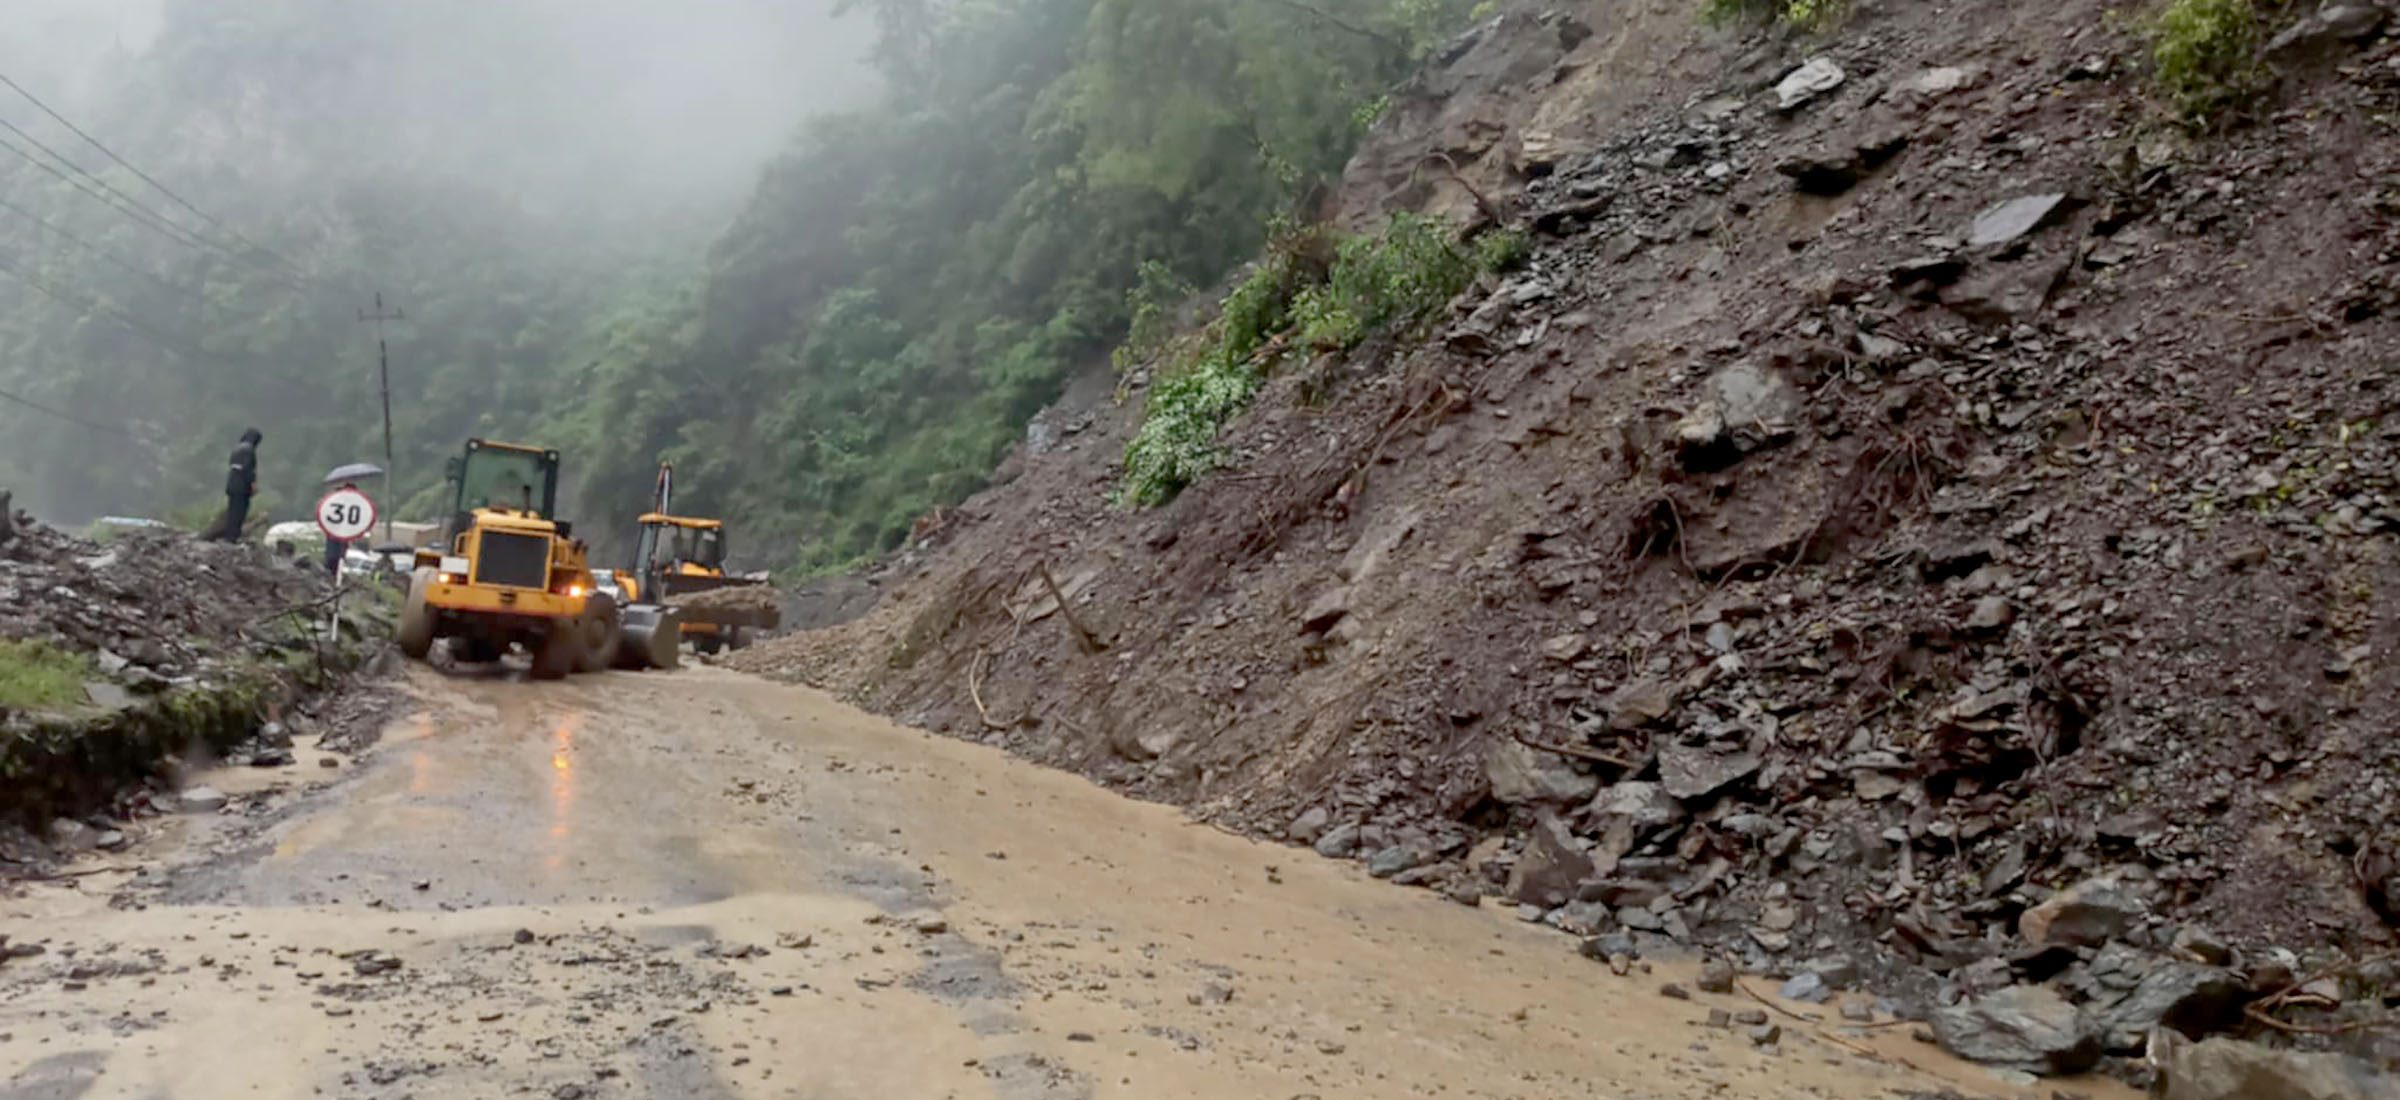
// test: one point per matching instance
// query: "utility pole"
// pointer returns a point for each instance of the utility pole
(383, 359)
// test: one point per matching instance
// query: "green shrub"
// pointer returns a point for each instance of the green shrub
(1806, 14)
(1398, 276)
(1370, 284)
(36, 677)
(1202, 383)
(2204, 54)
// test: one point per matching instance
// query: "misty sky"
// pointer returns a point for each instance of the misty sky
(674, 99)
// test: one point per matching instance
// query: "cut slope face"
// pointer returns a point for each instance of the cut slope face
(1890, 493)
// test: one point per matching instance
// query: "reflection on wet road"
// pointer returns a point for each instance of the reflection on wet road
(702, 885)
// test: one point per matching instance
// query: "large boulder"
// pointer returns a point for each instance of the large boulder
(1551, 866)
(2024, 1027)
(2087, 914)
(1520, 774)
(2228, 1069)
(2144, 993)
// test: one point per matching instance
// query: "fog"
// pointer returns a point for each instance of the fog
(561, 104)
(514, 172)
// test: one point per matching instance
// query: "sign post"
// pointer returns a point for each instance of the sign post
(344, 515)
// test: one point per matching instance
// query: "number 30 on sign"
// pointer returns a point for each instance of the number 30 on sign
(345, 514)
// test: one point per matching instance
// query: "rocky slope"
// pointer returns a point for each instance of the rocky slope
(121, 663)
(1919, 517)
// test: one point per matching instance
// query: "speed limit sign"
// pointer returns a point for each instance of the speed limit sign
(345, 514)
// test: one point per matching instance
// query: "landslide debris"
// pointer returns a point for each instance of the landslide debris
(1918, 518)
(119, 660)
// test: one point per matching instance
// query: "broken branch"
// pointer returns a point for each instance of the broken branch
(1593, 755)
(1753, 995)
(975, 691)
(1083, 636)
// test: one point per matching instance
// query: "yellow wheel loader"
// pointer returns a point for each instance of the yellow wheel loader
(508, 572)
(682, 556)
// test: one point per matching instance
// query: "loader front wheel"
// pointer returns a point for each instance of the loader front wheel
(416, 618)
(559, 653)
(602, 633)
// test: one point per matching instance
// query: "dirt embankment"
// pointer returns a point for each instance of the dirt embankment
(1919, 517)
(120, 664)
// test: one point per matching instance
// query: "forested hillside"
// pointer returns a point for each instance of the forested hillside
(919, 269)
(510, 175)
(914, 280)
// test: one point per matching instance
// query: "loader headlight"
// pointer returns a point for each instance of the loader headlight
(578, 590)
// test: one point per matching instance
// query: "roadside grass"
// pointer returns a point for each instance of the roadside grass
(35, 677)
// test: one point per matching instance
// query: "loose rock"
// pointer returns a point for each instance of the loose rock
(2025, 1027)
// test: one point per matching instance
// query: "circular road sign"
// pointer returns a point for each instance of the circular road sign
(345, 514)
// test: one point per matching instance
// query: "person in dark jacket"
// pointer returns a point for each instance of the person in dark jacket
(241, 483)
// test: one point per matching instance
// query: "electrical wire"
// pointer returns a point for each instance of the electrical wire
(161, 340)
(111, 255)
(212, 219)
(149, 221)
(71, 418)
(146, 177)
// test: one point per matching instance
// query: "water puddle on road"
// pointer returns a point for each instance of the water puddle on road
(702, 885)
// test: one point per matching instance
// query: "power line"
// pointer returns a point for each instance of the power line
(71, 418)
(164, 342)
(150, 221)
(103, 251)
(146, 177)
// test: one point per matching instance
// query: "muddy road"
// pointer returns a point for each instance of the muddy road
(702, 885)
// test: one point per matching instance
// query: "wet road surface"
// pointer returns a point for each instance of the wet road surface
(703, 885)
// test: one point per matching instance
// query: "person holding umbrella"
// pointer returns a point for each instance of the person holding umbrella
(345, 477)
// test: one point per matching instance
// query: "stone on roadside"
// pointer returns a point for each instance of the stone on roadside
(1807, 987)
(201, 800)
(1719, 1018)
(2230, 1069)
(2023, 1027)
(1858, 1012)
(1674, 992)
(1552, 864)
(1339, 842)
(1564, 648)
(1716, 976)
(2191, 998)
(1310, 825)
(2201, 945)
(1391, 861)
(1750, 1017)
(1520, 775)
(2087, 914)
(1766, 1034)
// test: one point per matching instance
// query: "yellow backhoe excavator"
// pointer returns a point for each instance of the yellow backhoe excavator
(677, 556)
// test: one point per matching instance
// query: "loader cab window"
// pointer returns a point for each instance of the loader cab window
(701, 546)
(504, 477)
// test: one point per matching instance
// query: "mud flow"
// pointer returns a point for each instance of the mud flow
(706, 885)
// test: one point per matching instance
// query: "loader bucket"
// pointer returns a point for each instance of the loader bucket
(650, 636)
